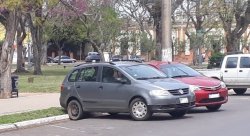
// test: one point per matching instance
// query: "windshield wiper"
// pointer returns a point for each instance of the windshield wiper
(157, 77)
(146, 78)
(181, 76)
(142, 78)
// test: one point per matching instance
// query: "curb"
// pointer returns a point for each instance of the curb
(35, 122)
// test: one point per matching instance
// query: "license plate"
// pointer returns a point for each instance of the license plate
(214, 96)
(183, 100)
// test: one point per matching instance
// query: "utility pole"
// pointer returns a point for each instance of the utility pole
(166, 30)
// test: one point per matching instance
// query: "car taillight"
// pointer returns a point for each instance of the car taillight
(62, 87)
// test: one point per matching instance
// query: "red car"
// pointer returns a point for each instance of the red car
(209, 92)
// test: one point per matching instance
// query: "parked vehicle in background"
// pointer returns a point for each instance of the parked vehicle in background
(137, 58)
(50, 59)
(234, 71)
(64, 59)
(209, 92)
(93, 56)
(123, 87)
(116, 58)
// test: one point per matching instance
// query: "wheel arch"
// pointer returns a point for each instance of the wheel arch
(137, 96)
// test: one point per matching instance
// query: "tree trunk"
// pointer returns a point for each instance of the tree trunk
(7, 55)
(21, 34)
(36, 35)
(44, 54)
(232, 43)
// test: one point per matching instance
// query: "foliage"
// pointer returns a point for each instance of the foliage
(215, 60)
(147, 45)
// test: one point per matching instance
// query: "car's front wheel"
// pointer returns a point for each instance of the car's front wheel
(178, 114)
(74, 110)
(139, 110)
(213, 107)
(240, 91)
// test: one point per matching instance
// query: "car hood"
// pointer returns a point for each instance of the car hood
(199, 81)
(168, 84)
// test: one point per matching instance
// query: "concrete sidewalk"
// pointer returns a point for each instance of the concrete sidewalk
(28, 102)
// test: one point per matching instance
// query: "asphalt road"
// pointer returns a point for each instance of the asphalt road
(233, 119)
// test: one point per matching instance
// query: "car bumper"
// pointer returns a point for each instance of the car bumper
(172, 107)
(172, 104)
(203, 98)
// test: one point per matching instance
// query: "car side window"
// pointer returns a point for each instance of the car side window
(231, 62)
(73, 76)
(245, 62)
(88, 74)
(111, 75)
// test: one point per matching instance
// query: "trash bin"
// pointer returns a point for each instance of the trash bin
(14, 82)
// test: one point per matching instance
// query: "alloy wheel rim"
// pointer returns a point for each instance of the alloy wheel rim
(74, 110)
(139, 109)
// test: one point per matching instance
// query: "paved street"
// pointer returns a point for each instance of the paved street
(233, 119)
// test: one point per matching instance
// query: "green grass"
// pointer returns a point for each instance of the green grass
(49, 82)
(13, 118)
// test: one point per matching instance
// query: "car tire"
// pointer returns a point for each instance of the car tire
(178, 114)
(74, 110)
(240, 91)
(213, 107)
(139, 110)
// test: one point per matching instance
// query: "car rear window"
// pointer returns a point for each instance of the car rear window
(73, 76)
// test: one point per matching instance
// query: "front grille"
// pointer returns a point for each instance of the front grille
(212, 100)
(214, 88)
(179, 91)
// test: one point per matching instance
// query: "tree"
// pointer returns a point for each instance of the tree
(154, 8)
(36, 15)
(202, 21)
(138, 18)
(99, 22)
(235, 17)
(61, 27)
(8, 17)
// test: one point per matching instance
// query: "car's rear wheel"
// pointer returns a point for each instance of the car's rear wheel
(213, 107)
(139, 109)
(240, 91)
(178, 114)
(74, 110)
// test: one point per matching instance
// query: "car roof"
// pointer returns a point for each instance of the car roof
(116, 63)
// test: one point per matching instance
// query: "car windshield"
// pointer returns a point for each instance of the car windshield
(178, 70)
(143, 72)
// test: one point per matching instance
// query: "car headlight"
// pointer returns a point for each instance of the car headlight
(223, 85)
(159, 93)
(194, 88)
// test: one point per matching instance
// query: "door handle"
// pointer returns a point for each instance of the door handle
(240, 70)
(225, 70)
(78, 86)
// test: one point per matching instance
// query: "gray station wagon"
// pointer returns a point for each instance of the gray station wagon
(123, 87)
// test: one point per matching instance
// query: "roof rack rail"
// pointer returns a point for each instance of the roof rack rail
(94, 63)
(139, 61)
